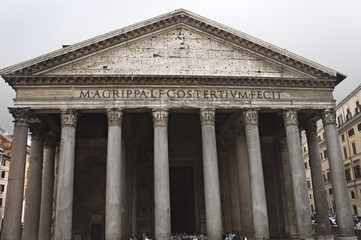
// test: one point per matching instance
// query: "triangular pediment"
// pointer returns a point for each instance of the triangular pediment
(176, 43)
(177, 51)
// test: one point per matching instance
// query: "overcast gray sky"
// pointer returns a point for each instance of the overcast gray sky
(325, 31)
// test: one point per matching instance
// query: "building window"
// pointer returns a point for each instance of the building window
(306, 165)
(2, 174)
(2, 188)
(340, 120)
(348, 174)
(358, 107)
(354, 207)
(351, 132)
(343, 137)
(1, 202)
(353, 144)
(357, 171)
(348, 114)
(329, 176)
(310, 196)
(304, 149)
(308, 183)
(359, 127)
(345, 152)
(330, 191)
(312, 208)
(352, 195)
(325, 153)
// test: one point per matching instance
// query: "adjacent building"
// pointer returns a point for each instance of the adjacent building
(5, 154)
(348, 113)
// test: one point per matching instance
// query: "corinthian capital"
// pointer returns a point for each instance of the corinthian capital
(21, 116)
(69, 117)
(290, 117)
(208, 116)
(160, 117)
(114, 117)
(329, 117)
(250, 116)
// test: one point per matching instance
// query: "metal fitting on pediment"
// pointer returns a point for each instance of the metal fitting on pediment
(69, 117)
(21, 116)
(290, 117)
(250, 116)
(160, 117)
(208, 116)
(114, 117)
(329, 117)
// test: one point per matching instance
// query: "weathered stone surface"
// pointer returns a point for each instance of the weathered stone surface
(178, 51)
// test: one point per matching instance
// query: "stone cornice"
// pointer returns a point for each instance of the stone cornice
(168, 80)
(179, 17)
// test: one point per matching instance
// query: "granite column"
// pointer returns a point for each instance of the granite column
(211, 177)
(233, 179)
(113, 213)
(339, 185)
(162, 209)
(319, 191)
(298, 176)
(258, 194)
(243, 180)
(47, 191)
(14, 197)
(33, 189)
(64, 198)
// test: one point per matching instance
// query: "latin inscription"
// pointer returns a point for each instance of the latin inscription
(180, 94)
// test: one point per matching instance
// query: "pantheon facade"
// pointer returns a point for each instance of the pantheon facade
(174, 124)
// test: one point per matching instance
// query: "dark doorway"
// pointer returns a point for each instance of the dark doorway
(182, 199)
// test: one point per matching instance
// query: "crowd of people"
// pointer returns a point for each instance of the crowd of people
(195, 236)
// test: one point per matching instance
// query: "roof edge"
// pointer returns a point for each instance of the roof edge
(175, 13)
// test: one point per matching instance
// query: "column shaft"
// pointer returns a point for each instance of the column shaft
(339, 185)
(211, 178)
(14, 197)
(319, 191)
(298, 176)
(47, 191)
(113, 211)
(233, 179)
(33, 189)
(258, 194)
(225, 192)
(244, 185)
(289, 210)
(64, 201)
(161, 176)
(134, 195)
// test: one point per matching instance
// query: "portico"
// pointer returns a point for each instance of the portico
(176, 123)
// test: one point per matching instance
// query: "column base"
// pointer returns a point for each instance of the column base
(326, 237)
(347, 238)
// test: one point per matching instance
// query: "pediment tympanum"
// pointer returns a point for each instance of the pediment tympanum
(179, 51)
